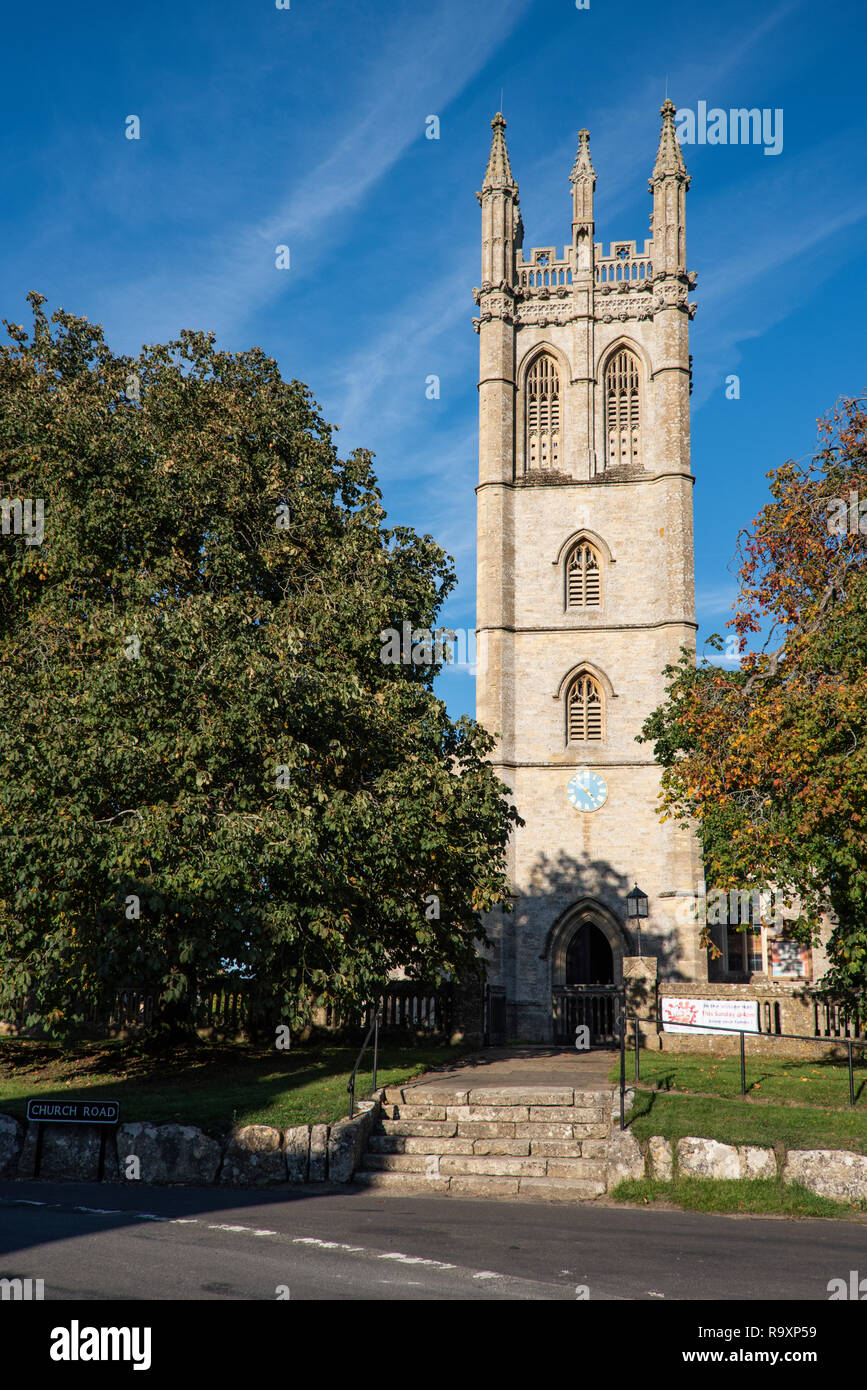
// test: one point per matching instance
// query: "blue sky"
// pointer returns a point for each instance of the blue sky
(306, 127)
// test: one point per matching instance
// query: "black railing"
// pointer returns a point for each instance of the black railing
(834, 1020)
(595, 1007)
(374, 1029)
(743, 1033)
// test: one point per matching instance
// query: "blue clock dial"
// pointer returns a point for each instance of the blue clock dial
(587, 791)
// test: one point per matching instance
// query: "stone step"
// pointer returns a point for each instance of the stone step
(596, 1149)
(500, 1095)
(419, 1129)
(497, 1095)
(484, 1111)
(500, 1123)
(479, 1185)
(497, 1166)
(508, 1148)
(535, 1131)
(410, 1144)
(533, 1142)
(497, 1114)
(461, 1165)
(400, 1182)
(561, 1189)
(414, 1112)
(396, 1163)
(511, 1114)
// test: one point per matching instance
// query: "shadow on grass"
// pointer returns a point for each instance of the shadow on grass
(213, 1086)
(815, 1084)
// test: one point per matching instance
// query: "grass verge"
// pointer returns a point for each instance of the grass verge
(793, 1081)
(754, 1196)
(212, 1086)
(790, 1104)
(737, 1122)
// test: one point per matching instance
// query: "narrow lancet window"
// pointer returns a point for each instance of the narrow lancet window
(623, 408)
(543, 414)
(582, 577)
(583, 710)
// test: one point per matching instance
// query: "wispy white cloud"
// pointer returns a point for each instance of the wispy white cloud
(421, 66)
(715, 602)
(400, 352)
(622, 134)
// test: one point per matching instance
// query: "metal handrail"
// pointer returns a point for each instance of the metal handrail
(374, 1029)
(743, 1033)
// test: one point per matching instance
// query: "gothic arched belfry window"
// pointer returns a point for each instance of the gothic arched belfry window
(543, 414)
(582, 577)
(583, 710)
(622, 409)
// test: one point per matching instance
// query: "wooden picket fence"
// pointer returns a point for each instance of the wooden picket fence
(409, 1008)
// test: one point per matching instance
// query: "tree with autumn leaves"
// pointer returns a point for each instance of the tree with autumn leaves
(769, 761)
(204, 760)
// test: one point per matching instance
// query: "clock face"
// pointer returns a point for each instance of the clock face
(587, 791)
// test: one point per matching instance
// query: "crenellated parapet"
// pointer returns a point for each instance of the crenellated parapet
(544, 271)
(624, 264)
(624, 286)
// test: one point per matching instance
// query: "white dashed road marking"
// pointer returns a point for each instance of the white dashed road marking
(251, 1231)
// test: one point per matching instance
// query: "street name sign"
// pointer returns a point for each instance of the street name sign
(73, 1112)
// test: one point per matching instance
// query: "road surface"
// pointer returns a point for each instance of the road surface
(100, 1241)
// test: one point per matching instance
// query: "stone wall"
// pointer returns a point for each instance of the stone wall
(834, 1173)
(251, 1156)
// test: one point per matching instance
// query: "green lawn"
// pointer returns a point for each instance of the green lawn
(785, 1079)
(769, 1196)
(739, 1122)
(212, 1086)
(789, 1103)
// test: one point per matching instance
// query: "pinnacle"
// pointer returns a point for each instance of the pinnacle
(669, 159)
(583, 166)
(498, 175)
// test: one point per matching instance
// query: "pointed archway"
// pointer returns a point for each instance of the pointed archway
(587, 946)
(589, 958)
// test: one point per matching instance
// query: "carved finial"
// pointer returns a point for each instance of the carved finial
(669, 159)
(498, 175)
(583, 166)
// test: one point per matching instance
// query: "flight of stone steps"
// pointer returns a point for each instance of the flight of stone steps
(531, 1141)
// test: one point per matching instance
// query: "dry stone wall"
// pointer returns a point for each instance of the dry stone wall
(251, 1156)
(264, 1156)
(834, 1173)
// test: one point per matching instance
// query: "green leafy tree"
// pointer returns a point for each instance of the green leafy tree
(770, 761)
(204, 758)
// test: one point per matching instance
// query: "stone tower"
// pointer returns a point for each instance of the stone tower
(585, 581)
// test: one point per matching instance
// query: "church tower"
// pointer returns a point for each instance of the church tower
(585, 581)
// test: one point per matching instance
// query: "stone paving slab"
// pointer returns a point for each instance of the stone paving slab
(499, 1067)
(505, 1095)
(506, 1114)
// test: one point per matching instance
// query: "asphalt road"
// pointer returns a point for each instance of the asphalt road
(98, 1241)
